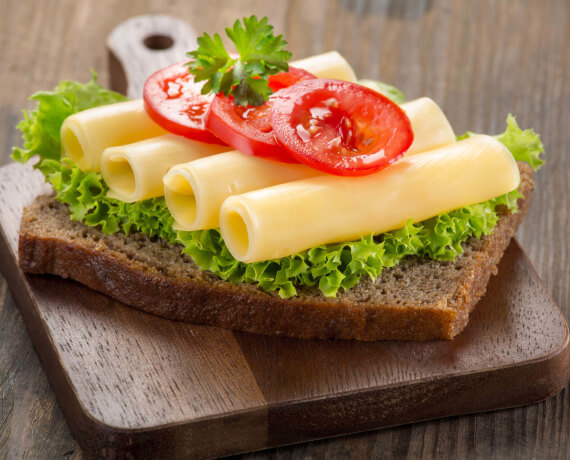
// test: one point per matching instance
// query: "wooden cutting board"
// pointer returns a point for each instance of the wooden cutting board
(133, 384)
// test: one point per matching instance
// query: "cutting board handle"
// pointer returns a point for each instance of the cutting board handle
(143, 44)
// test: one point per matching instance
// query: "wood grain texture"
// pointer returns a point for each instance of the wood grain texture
(479, 60)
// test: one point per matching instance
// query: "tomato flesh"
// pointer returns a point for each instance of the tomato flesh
(173, 100)
(339, 127)
(249, 129)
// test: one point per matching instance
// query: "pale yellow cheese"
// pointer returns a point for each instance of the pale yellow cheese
(288, 218)
(429, 124)
(84, 135)
(195, 191)
(327, 65)
(135, 171)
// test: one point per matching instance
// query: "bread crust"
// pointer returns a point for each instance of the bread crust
(51, 244)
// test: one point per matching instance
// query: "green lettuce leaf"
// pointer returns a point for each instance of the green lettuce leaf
(328, 268)
(391, 92)
(40, 126)
(525, 145)
(85, 194)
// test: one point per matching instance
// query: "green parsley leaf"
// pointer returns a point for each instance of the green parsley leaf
(261, 54)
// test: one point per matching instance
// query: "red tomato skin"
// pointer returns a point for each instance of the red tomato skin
(174, 114)
(254, 136)
(222, 120)
(381, 119)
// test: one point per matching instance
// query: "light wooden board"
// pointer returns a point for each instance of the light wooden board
(129, 382)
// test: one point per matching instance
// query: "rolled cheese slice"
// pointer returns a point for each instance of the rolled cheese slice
(327, 65)
(135, 171)
(282, 220)
(84, 135)
(429, 124)
(195, 191)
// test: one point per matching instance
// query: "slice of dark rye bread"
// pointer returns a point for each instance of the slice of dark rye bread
(419, 299)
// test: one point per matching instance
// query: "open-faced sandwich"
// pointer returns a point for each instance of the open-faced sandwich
(250, 194)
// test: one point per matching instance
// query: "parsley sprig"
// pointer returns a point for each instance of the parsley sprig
(261, 54)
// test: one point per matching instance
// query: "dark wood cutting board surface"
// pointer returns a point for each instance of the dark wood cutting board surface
(129, 382)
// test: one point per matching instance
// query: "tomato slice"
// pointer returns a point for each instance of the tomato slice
(339, 127)
(173, 100)
(248, 129)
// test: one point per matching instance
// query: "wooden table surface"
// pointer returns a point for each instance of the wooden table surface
(478, 59)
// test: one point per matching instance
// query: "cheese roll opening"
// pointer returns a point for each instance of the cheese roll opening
(74, 144)
(181, 200)
(119, 175)
(135, 172)
(86, 134)
(234, 225)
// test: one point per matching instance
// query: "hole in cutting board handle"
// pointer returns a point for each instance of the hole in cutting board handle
(143, 44)
(158, 42)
